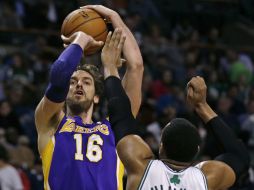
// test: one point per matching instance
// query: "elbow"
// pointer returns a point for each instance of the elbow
(138, 66)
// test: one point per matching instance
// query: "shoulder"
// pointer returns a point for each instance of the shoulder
(219, 175)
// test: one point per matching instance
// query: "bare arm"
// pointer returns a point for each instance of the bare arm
(132, 150)
(218, 174)
(135, 155)
(132, 79)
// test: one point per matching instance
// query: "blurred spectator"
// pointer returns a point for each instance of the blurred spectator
(9, 177)
(145, 8)
(22, 155)
(236, 68)
(8, 117)
(8, 17)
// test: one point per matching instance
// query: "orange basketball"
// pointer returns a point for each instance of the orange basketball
(88, 21)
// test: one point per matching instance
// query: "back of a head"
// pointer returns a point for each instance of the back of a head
(97, 76)
(180, 140)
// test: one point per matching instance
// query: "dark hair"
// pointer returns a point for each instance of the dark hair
(97, 76)
(180, 140)
(3, 154)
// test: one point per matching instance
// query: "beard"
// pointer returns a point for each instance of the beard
(78, 107)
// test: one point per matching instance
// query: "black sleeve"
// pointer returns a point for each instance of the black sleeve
(235, 153)
(120, 116)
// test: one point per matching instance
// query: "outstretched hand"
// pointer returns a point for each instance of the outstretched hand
(196, 91)
(111, 52)
(85, 41)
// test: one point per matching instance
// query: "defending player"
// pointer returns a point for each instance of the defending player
(179, 145)
(77, 153)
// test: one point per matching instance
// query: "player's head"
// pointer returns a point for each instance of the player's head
(180, 141)
(86, 87)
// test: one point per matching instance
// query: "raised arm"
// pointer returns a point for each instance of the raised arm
(49, 111)
(132, 150)
(132, 79)
(230, 165)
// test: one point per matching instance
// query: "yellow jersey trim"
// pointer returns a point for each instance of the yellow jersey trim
(120, 173)
(46, 156)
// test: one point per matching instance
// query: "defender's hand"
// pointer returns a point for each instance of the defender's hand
(112, 49)
(196, 92)
(85, 41)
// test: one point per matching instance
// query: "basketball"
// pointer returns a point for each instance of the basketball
(87, 21)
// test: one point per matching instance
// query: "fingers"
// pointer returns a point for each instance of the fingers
(65, 39)
(196, 82)
(114, 38)
(88, 7)
(108, 39)
(121, 43)
(97, 43)
(190, 93)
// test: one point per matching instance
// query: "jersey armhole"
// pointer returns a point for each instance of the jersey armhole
(199, 166)
(145, 175)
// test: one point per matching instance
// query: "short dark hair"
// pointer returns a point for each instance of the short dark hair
(97, 76)
(180, 140)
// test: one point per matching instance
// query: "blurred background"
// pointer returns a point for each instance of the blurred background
(178, 39)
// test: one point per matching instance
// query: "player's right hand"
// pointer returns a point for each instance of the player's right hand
(196, 91)
(105, 12)
(82, 39)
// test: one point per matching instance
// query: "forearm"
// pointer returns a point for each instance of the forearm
(120, 116)
(61, 72)
(131, 49)
(205, 112)
(235, 153)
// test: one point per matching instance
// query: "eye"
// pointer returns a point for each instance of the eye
(87, 82)
(72, 81)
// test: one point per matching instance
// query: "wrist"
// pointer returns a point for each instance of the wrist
(205, 112)
(110, 70)
(116, 20)
(82, 41)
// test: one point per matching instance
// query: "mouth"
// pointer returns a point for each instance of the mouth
(79, 93)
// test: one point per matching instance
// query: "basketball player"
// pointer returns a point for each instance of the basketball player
(180, 145)
(77, 153)
(132, 80)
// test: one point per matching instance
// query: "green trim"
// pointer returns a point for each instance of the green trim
(145, 175)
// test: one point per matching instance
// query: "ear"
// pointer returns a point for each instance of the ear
(96, 99)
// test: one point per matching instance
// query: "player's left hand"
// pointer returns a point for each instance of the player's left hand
(111, 52)
(196, 91)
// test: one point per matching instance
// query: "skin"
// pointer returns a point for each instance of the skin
(81, 93)
(132, 79)
(135, 153)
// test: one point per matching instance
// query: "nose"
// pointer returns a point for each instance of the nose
(79, 84)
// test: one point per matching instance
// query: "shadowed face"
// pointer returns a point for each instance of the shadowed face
(81, 93)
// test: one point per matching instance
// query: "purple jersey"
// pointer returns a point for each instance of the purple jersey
(82, 157)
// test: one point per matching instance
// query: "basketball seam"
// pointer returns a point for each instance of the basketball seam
(81, 25)
(100, 33)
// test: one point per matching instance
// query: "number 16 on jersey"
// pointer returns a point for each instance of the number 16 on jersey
(93, 149)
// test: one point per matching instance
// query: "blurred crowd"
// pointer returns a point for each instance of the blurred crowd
(176, 44)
